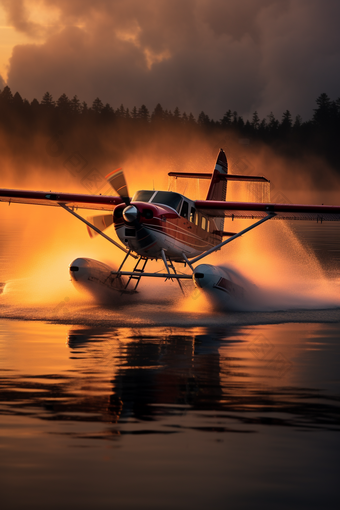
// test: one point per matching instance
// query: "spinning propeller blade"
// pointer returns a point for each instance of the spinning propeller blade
(118, 182)
(102, 221)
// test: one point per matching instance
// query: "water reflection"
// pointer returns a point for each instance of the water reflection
(228, 380)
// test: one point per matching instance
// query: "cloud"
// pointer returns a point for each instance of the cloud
(2, 83)
(301, 55)
(18, 17)
(209, 55)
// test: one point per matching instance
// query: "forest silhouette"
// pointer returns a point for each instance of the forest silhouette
(104, 134)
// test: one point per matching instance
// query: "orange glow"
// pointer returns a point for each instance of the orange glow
(271, 257)
(194, 302)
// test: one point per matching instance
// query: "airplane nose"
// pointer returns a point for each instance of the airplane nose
(130, 214)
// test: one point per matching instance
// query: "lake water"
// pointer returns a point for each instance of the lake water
(162, 403)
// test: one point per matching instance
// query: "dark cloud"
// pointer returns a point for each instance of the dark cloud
(210, 55)
(18, 16)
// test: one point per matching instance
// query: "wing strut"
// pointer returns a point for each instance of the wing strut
(96, 229)
(271, 215)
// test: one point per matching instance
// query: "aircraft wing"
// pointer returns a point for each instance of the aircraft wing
(251, 210)
(71, 200)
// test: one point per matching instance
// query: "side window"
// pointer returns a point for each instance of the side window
(204, 223)
(208, 229)
(185, 209)
(192, 214)
(197, 217)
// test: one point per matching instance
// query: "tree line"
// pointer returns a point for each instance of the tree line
(319, 134)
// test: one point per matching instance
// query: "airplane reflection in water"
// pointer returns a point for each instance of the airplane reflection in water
(152, 373)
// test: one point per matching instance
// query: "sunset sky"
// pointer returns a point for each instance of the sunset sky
(210, 55)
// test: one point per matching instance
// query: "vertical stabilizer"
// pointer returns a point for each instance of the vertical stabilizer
(218, 187)
(222, 163)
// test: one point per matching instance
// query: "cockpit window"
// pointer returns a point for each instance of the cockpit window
(167, 198)
(185, 209)
(142, 196)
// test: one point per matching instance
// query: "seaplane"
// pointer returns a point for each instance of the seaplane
(167, 226)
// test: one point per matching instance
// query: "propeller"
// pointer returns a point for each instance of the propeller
(130, 213)
(118, 183)
(117, 180)
(101, 221)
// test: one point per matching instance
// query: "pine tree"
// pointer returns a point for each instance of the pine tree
(97, 106)
(177, 114)
(263, 127)
(143, 113)
(84, 108)
(255, 121)
(107, 112)
(322, 113)
(17, 99)
(47, 101)
(185, 118)
(120, 112)
(226, 119)
(75, 105)
(203, 119)
(337, 105)
(168, 115)
(134, 113)
(240, 123)
(63, 104)
(286, 124)
(35, 104)
(191, 119)
(158, 113)
(6, 96)
(273, 124)
(298, 122)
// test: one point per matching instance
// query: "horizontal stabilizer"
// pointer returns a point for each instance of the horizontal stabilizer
(220, 177)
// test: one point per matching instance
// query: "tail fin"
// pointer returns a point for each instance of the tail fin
(218, 187)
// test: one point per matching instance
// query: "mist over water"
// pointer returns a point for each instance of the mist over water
(279, 271)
